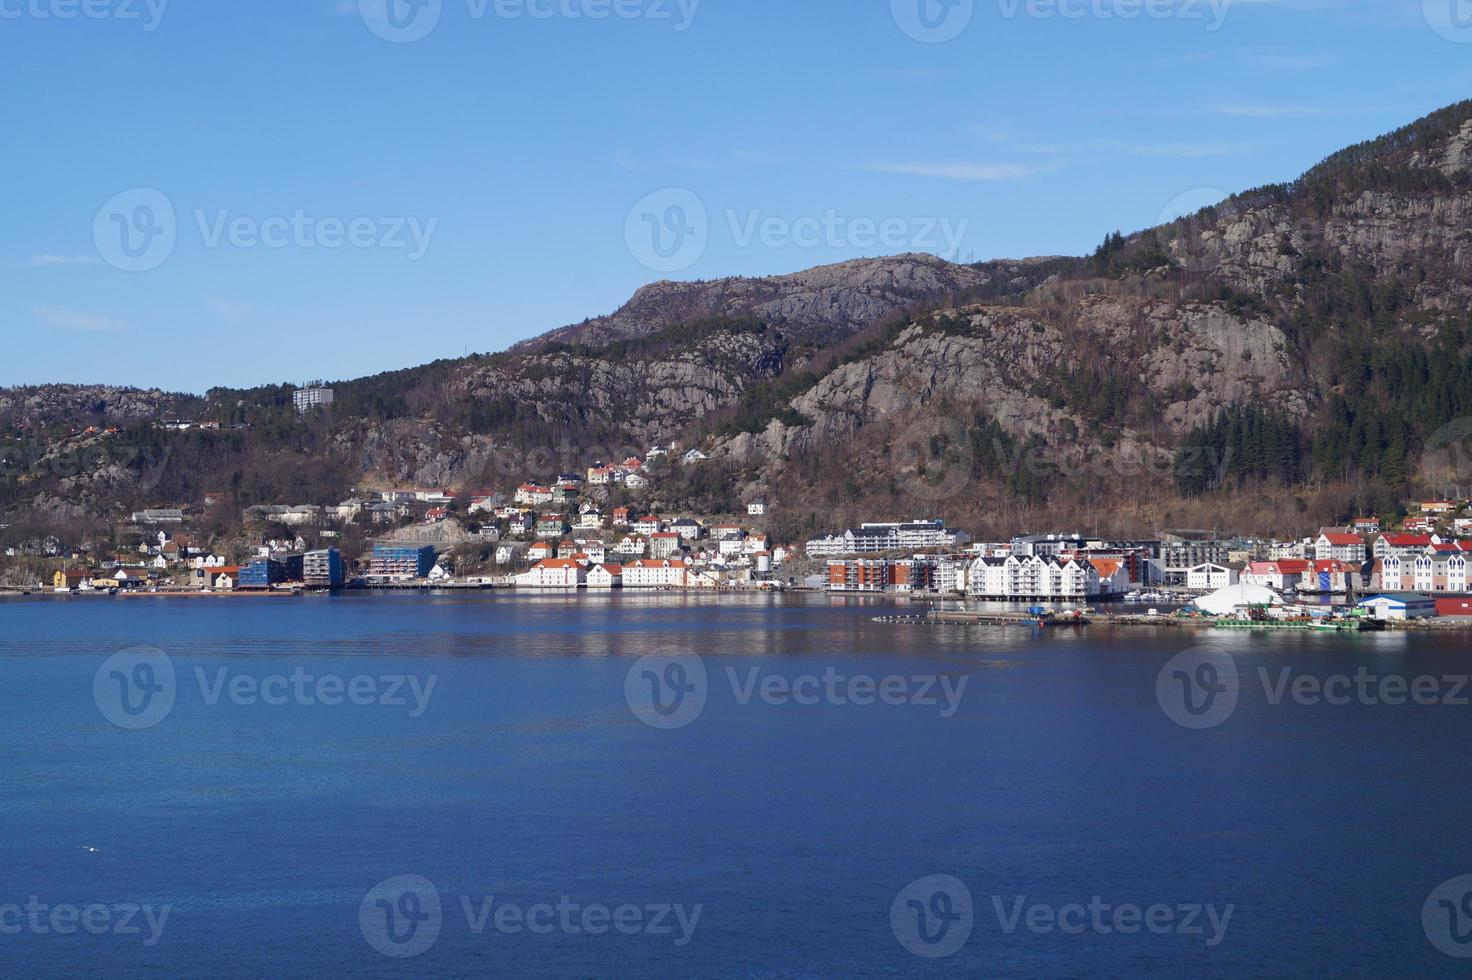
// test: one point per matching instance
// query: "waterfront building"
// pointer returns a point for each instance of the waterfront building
(1400, 606)
(401, 562)
(552, 573)
(1016, 578)
(652, 573)
(322, 569)
(1211, 577)
(263, 573)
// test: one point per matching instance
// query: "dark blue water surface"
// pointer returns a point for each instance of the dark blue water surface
(793, 827)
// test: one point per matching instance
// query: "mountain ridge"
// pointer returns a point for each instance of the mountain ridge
(1320, 302)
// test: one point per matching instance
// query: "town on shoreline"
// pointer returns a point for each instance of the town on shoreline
(586, 531)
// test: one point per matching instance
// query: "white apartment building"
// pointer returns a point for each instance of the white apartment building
(653, 573)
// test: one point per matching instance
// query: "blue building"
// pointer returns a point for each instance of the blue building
(322, 569)
(402, 562)
(261, 574)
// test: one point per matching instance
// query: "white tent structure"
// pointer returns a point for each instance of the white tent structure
(1239, 596)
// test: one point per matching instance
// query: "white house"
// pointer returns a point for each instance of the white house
(651, 573)
(688, 529)
(605, 576)
(509, 552)
(1334, 544)
(732, 543)
(531, 493)
(757, 508)
(703, 580)
(552, 573)
(694, 456)
(1212, 577)
(632, 546)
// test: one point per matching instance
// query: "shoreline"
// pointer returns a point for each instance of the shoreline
(1094, 617)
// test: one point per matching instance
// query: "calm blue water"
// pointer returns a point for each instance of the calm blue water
(794, 827)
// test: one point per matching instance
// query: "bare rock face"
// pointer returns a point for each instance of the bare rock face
(827, 301)
(651, 397)
(443, 533)
(57, 404)
(1012, 366)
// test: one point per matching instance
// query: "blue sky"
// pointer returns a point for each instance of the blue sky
(505, 173)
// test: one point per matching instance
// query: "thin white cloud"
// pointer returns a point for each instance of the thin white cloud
(63, 318)
(959, 170)
(50, 260)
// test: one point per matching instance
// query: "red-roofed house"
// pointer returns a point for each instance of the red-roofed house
(664, 544)
(607, 575)
(1402, 545)
(1341, 546)
(1280, 575)
(531, 493)
(553, 573)
(651, 573)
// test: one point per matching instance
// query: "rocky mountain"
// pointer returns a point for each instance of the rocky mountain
(824, 303)
(1280, 359)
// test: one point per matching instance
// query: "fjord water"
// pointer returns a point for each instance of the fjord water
(792, 826)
